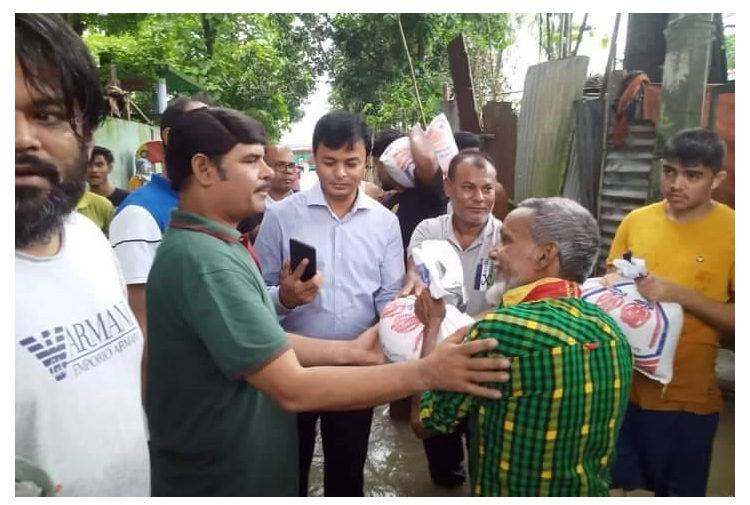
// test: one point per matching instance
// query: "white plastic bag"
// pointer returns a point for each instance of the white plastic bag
(398, 159)
(399, 162)
(401, 332)
(441, 271)
(653, 330)
(440, 135)
(440, 268)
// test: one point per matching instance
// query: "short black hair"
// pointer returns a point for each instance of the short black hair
(174, 111)
(103, 151)
(339, 129)
(696, 146)
(467, 140)
(212, 131)
(472, 156)
(384, 139)
(46, 44)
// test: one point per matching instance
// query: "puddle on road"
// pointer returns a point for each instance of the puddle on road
(396, 464)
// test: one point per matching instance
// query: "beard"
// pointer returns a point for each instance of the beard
(41, 212)
(494, 294)
(501, 285)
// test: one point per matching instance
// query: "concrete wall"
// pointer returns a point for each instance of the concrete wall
(123, 138)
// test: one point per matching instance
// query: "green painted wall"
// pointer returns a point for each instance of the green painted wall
(123, 138)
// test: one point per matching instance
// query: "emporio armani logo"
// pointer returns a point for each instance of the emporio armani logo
(50, 350)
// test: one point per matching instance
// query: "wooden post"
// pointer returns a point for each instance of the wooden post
(450, 109)
(604, 97)
(458, 58)
(499, 141)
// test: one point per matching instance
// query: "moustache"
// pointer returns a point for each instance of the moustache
(264, 187)
(37, 166)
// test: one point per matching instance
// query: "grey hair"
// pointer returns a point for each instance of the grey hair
(574, 230)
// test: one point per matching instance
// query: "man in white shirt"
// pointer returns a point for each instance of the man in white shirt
(77, 345)
(472, 230)
(140, 220)
(281, 160)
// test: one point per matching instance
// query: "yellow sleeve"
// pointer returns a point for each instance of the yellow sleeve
(105, 211)
(620, 242)
(109, 213)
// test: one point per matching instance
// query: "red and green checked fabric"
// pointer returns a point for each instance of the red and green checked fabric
(553, 433)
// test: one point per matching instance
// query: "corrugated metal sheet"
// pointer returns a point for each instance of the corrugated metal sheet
(582, 177)
(546, 124)
(625, 183)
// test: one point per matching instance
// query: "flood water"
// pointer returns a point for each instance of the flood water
(396, 464)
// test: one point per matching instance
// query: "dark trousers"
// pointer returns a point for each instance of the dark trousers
(445, 457)
(345, 440)
(666, 452)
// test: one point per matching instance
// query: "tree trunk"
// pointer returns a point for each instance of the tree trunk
(549, 38)
(209, 35)
(580, 33)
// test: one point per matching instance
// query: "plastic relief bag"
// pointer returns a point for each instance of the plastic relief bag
(441, 270)
(401, 332)
(653, 330)
(398, 159)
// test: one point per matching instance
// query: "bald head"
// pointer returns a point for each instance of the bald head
(281, 160)
(277, 152)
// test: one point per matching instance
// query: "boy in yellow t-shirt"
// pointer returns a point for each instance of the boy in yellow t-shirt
(687, 241)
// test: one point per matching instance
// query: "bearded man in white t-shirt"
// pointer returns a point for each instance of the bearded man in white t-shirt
(78, 347)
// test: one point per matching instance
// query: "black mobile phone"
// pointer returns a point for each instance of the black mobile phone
(297, 252)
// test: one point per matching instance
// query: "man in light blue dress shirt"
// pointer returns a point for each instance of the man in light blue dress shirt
(359, 253)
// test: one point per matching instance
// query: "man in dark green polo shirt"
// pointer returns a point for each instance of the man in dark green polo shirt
(223, 377)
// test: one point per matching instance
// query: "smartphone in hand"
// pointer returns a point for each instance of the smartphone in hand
(297, 252)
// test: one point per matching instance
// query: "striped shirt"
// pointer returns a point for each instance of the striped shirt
(360, 258)
(553, 433)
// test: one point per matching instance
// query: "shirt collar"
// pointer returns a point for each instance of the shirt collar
(270, 199)
(548, 287)
(84, 201)
(315, 197)
(487, 231)
(188, 220)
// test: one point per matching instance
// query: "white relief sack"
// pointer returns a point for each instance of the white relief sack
(398, 159)
(401, 332)
(652, 329)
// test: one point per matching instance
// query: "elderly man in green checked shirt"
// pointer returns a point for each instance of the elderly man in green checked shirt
(553, 433)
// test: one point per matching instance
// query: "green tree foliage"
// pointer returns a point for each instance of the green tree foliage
(262, 64)
(370, 71)
(560, 35)
(729, 43)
